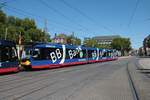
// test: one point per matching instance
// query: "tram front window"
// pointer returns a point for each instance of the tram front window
(36, 53)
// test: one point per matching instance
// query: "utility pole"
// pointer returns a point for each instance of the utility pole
(6, 33)
(45, 26)
(45, 30)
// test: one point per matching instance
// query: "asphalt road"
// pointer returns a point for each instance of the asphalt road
(99, 81)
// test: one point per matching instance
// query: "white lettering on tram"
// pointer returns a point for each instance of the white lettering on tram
(94, 54)
(58, 53)
(97, 54)
(70, 54)
(53, 57)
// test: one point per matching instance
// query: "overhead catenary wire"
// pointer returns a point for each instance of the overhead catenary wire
(41, 18)
(61, 14)
(23, 12)
(28, 15)
(133, 13)
(84, 15)
(76, 9)
(37, 16)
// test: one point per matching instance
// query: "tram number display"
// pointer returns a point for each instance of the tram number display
(56, 55)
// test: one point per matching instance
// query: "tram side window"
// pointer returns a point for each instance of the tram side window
(0, 54)
(8, 54)
(47, 53)
(81, 54)
(36, 54)
(73, 53)
(84, 54)
(110, 53)
(104, 54)
(100, 54)
(53, 54)
(92, 53)
(107, 53)
(13, 54)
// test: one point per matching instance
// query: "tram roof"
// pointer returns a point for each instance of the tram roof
(7, 43)
(57, 45)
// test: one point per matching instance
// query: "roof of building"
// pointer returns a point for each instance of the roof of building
(106, 37)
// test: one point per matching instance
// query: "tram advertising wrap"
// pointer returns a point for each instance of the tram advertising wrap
(49, 55)
(8, 57)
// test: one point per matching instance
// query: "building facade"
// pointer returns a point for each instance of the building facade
(145, 46)
(105, 40)
(61, 38)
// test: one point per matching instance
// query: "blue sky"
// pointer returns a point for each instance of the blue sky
(87, 18)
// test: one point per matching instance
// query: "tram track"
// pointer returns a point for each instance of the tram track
(30, 74)
(36, 75)
(68, 82)
(39, 81)
(78, 85)
(131, 83)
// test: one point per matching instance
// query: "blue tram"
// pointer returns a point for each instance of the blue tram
(48, 55)
(8, 57)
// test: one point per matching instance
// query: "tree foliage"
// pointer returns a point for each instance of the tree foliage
(93, 43)
(71, 39)
(90, 43)
(148, 43)
(121, 44)
(26, 27)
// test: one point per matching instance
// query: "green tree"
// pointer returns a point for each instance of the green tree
(16, 26)
(148, 43)
(11, 20)
(121, 44)
(28, 24)
(77, 41)
(2, 17)
(2, 24)
(71, 39)
(90, 43)
(11, 33)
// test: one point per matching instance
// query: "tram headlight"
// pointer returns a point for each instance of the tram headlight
(27, 62)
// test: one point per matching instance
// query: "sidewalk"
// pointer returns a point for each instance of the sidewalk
(122, 57)
(141, 80)
(145, 63)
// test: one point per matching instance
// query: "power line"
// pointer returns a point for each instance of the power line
(37, 16)
(61, 14)
(76, 9)
(26, 14)
(6, 2)
(83, 14)
(31, 14)
(133, 13)
(2, 4)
